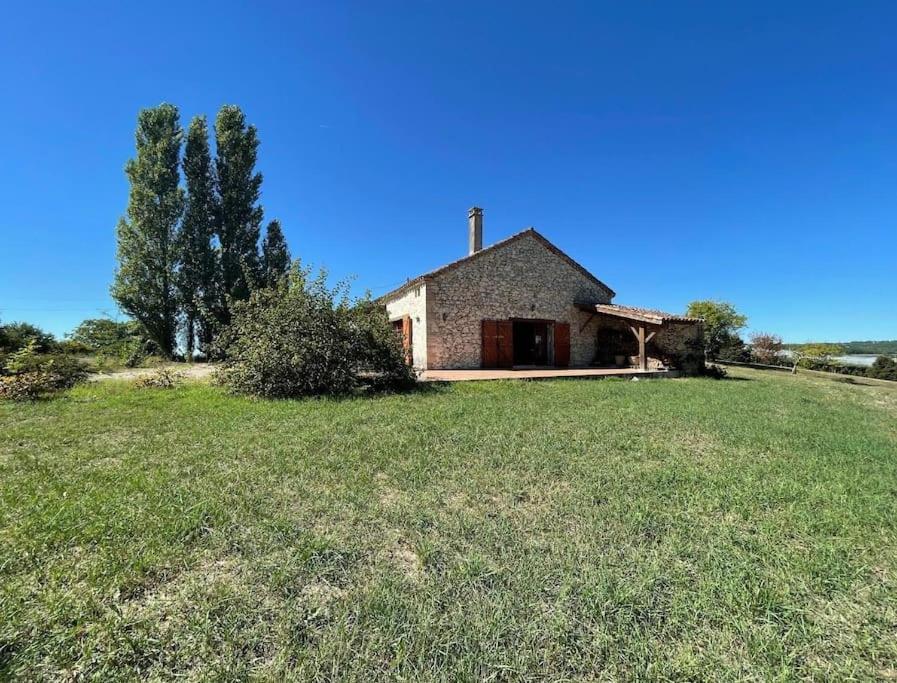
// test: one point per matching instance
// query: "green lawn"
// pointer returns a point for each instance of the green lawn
(603, 530)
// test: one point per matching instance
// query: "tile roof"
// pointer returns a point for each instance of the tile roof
(508, 240)
(648, 315)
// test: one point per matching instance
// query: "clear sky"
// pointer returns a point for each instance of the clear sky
(677, 150)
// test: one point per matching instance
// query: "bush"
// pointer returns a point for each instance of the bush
(713, 371)
(15, 336)
(28, 375)
(126, 342)
(74, 348)
(163, 378)
(731, 347)
(766, 348)
(27, 386)
(300, 338)
(883, 368)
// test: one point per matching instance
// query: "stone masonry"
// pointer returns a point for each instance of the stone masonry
(413, 303)
(525, 278)
(519, 279)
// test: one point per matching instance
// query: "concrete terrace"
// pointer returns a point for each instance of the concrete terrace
(539, 373)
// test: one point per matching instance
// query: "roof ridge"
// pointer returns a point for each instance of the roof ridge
(502, 242)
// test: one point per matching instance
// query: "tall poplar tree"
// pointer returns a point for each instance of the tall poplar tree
(144, 284)
(198, 276)
(240, 216)
(275, 254)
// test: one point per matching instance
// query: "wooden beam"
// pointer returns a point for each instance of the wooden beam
(642, 356)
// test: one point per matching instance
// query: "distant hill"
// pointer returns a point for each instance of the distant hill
(884, 348)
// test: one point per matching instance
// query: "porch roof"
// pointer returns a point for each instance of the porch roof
(634, 313)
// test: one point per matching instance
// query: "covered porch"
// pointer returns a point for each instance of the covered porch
(643, 323)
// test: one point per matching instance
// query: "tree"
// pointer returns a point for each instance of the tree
(721, 323)
(126, 340)
(765, 347)
(275, 254)
(15, 336)
(144, 285)
(820, 351)
(807, 355)
(198, 276)
(883, 368)
(240, 216)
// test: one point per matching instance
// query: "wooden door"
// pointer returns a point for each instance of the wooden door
(505, 340)
(490, 344)
(498, 344)
(562, 344)
(407, 341)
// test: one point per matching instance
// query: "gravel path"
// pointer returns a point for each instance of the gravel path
(190, 371)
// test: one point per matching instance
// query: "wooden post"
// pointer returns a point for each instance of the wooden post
(643, 340)
(642, 356)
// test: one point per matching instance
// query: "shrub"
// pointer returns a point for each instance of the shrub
(126, 341)
(301, 338)
(766, 348)
(731, 347)
(713, 371)
(163, 378)
(74, 348)
(883, 368)
(26, 386)
(15, 336)
(28, 375)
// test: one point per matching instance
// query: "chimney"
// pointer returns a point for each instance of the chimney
(474, 230)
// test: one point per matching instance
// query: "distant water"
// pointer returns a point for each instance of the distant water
(864, 360)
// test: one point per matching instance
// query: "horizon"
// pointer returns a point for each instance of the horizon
(678, 154)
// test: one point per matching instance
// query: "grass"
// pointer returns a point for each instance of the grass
(602, 530)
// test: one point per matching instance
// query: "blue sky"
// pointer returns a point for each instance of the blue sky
(677, 150)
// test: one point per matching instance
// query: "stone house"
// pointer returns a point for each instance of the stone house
(522, 302)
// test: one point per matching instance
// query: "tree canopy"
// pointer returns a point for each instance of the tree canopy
(239, 189)
(198, 275)
(187, 254)
(275, 254)
(144, 285)
(721, 323)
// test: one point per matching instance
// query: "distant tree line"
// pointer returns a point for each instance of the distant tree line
(877, 348)
(189, 242)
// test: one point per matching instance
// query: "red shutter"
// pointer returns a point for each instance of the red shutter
(406, 338)
(505, 344)
(490, 344)
(562, 344)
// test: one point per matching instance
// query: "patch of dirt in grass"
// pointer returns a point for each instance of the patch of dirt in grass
(402, 557)
(458, 500)
(524, 502)
(171, 601)
(322, 594)
(698, 445)
(407, 561)
(388, 495)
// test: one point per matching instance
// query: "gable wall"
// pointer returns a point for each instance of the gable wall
(413, 303)
(522, 279)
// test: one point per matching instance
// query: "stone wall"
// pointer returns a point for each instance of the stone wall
(522, 279)
(413, 303)
(680, 345)
(676, 345)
